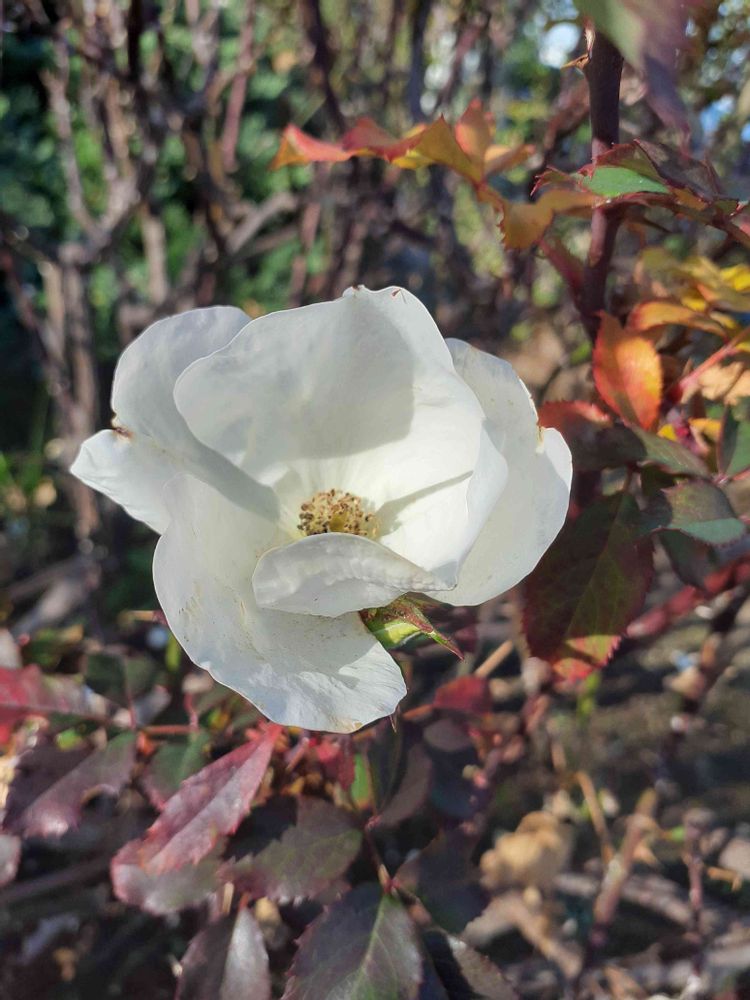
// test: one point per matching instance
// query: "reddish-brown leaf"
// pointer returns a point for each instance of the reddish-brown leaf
(10, 855)
(588, 587)
(294, 848)
(208, 805)
(226, 961)
(28, 692)
(580, 424)
(627, 373)
(469, 695)
(58, 808)
(168, 893)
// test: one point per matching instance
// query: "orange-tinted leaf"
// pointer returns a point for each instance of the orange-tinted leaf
(727, 383)
(465, 149)
(627, 373)
(474, 131)
(503, 158)
(298, 147)
(524, 224)
(588, 587)
(580, 424)
(437, 144)
(659, 313)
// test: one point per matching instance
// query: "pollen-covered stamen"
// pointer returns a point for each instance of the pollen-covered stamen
(335, 510)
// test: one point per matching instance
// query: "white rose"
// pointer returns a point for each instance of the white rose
(313, 463)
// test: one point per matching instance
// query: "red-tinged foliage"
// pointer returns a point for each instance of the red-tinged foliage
(226, 961)
(649, 174)
(294, 849)
(58, 807)
(208, 805)
(627, 373)
(466, 149)
(657, 314)
(657, 620)
(580, 424)
(588, 587)
(382, 956)
(164, 893)
(10, 855)
(468, 695)
(28, 692)
(524, 223)
(337, 760)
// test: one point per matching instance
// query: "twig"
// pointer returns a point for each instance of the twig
(603, 73)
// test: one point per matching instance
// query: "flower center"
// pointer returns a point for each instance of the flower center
(334, 510)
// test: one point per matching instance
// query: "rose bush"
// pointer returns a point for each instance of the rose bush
(313, 463)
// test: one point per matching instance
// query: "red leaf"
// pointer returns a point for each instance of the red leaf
(627, 373)
(470, 695)
(58, 808)
(28, 692)
(588, 587)
(226, 961)
(580, 424)
(208, 805)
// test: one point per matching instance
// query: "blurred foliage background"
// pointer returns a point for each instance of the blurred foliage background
(135, 147)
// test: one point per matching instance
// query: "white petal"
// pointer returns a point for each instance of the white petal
(359, 395)
(300, 670)
(331, 574)
(143, 386)
(129, 469)
(159, 443)
(533, 505)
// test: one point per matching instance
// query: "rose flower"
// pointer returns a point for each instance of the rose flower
(313, 463)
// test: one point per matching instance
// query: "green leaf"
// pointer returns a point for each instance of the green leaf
(734, 443)
(628, 445)
(400, 621)
(295, 848)
(610, 182)
(364, 948)
(172, 764)
(120, 678)
(588, 587)
(698, 509)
